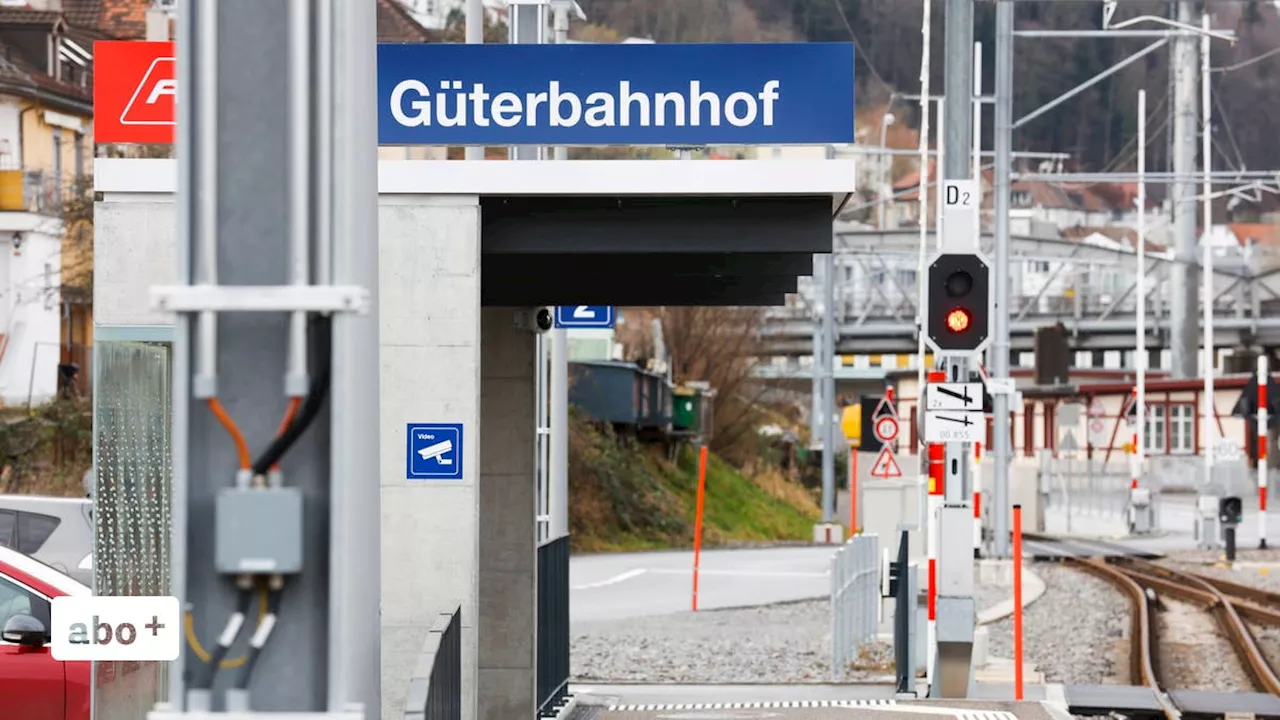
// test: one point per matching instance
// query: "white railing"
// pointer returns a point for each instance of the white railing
(855, 600)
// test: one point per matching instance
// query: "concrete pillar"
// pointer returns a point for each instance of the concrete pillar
(508, 509)
(430, 353)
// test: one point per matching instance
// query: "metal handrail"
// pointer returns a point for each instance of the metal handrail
(435, 688)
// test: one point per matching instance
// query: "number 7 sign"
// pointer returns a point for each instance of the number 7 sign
(584, 316)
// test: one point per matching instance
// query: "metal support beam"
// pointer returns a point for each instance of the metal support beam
(1088, 83)
(238, 184)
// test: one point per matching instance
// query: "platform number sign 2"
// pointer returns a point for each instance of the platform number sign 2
(584, 316)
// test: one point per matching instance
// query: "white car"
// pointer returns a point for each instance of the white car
(56, 531)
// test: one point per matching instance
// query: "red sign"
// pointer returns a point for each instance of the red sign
(886, 465)
(134, 92)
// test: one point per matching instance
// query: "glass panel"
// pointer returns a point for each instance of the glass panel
(131, 505)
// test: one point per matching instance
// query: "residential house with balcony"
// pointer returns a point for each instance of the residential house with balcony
(46, 148)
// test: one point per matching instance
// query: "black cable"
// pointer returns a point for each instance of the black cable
(228, 637)
(322, 340)
(259, 639)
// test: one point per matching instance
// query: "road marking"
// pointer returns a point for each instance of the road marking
(754, 705)
(741, 573)
(612, 581)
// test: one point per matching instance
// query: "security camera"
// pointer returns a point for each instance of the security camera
(536, 320)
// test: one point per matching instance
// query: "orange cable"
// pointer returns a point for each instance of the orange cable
(289, 413)
(242, 448)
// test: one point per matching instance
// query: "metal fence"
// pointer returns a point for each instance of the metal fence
(435, 688)
(855, 600)
(1083, 488)
(553, 625)
(131, 503)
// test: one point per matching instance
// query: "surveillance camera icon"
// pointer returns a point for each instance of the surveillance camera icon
(437, 452)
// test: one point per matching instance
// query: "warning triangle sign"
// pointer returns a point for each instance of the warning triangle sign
(886, 465)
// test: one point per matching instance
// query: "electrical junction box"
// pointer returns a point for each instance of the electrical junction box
(258, 531)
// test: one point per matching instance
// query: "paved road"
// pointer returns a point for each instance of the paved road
(623, 585)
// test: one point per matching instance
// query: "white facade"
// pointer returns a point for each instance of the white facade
(30, 281)
(30, 278)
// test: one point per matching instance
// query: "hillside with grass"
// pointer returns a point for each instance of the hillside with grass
(630, 496)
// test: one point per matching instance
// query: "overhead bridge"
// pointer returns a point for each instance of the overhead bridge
(877, 306)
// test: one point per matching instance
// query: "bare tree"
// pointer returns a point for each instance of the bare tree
(718, 345)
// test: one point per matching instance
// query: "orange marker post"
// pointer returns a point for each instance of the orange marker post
(853, 491)
(1017, 602)
(697, 522)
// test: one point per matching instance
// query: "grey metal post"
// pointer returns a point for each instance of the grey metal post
(355, 507)
(1183, 342)
(475, 36)
(559, 439)
(528, 26)
(957, 165)
(236, 177)
(828, 388)
(1000, 273)
(815, 415)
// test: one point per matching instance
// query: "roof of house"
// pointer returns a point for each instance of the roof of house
(1123, 235)
(25, 76)
(1257, 233)
(127, 20)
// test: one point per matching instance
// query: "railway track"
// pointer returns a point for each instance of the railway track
(1142, 582)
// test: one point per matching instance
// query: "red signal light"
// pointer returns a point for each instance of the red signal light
(958, 320)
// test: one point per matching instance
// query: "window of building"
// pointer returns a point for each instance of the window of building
(907, 278)
(1154, 441)
(79, 159)
(1182, 428)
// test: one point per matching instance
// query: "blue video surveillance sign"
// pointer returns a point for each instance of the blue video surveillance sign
(434, 452)
(584, 316)
(616, 94)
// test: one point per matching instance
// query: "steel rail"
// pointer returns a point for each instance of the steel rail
(1142, 666)
(1226, 611)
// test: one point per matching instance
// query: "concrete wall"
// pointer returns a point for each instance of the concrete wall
(134, 247)
(508, 506)
(430, 357)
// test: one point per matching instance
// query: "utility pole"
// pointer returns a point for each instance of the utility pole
(559, 384)
(1000, 274)
(268, 230)
(475, 36)
(1183, 273)
(958, 86)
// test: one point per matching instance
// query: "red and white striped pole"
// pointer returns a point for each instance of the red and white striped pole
(977, 499)
(1263, 379)
(1135, 460)
(937, 492)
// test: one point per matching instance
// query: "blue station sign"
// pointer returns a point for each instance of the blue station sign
(616, 94)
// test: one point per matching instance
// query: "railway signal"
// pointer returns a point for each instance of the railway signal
(1230, 514)
(959, 303)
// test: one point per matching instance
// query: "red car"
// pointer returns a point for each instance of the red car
(34, 686)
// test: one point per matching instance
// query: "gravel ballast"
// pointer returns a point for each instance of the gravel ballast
(1194, 654)
(1076, 633)
(785, 643)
